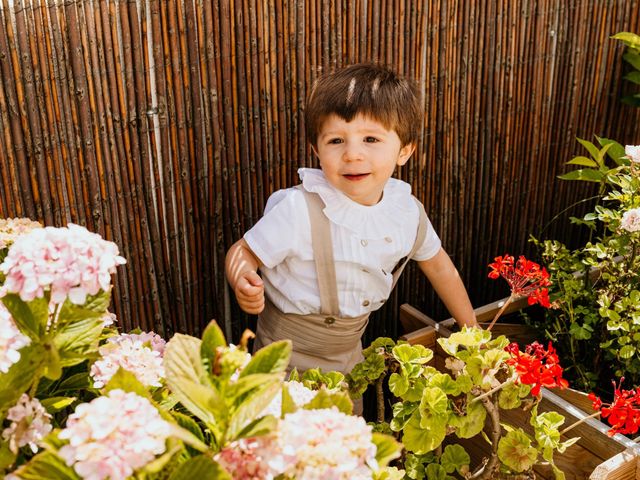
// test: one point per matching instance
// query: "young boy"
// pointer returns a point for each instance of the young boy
(331, 249)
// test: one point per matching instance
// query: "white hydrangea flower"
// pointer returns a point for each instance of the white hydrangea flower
(11, 340)
(30, 423)
(633, 153)
(140, 354)
(631, 220)
(12, 228)
(113, 436)
(300, 394)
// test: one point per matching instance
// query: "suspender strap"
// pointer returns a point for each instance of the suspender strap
(323, 254)
(420, 236)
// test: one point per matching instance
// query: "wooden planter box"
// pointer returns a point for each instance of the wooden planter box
(594, 456)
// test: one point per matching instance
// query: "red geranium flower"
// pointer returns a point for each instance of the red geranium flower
(623, 414)
(536, 366)
(525, 278)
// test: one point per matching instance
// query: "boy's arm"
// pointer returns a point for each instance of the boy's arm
(445, 279)
(241, 268)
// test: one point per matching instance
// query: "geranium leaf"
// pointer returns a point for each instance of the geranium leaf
(454, 457)
(423, 434)
(325, 399)
(387, 448)
(472, 423)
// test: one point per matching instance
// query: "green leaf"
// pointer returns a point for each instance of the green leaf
(435, 472)
(46, 465)
(591, 148)
(187, 437)
(406, 353)
(7, 457)
(212, 338)
(94, 308)
(633, 77)
(259, 427)
(326, 399)
(251, 408)
(387, 448)
(20, 376)
(187, 379)
(584, 174)
(508, 397)
(423, 434)
(630, 39)
(78, 340)
(188, 423)
(455, 457)
(126, 381)
(470, 424)
(288, 403)
(398, 384)
(55, 404)
(632, 58)
(30, 317)
(583, 161)
(201, 467)
(444, 382)
(615, 152)
(434, 400)
(271, 359)
(628, 351)
(52, 365)
(516, 452)
(77, 381)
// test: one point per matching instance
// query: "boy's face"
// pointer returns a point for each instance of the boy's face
(359, 156)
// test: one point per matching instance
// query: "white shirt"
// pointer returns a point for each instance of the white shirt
(368, 242)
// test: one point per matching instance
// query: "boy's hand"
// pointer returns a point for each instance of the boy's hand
(249, 290)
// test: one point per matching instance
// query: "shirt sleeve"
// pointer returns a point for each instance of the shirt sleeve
(430, 246)
(283, 228)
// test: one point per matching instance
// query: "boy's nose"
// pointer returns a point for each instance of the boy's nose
(352, 152)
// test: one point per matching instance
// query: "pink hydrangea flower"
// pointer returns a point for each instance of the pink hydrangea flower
(327, 444)
(12, 228)
(11, 340)
(631, 220)
(113, 436)
(109, 319)
(70, 262)
(300, 394)
(633, 153)
(30, 423)
(140, 354)
(257, 458)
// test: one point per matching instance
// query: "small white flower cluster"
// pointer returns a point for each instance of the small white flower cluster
(12, 228)
(113, 436)
(631, 220)
(11, 340)
(140, 354)
(71, 262)
(323, 444)
(632, 152)
(300, 394)
(30, 423)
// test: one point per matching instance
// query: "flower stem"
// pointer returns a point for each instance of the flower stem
(502, 309)
(492, 391)
(575, 424)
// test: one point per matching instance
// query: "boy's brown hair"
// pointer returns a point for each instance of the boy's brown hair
(367, 89)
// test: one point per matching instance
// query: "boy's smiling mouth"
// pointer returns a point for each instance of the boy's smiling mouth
(355, 176)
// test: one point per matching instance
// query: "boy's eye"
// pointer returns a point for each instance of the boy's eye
(334, 141)
(370, 139)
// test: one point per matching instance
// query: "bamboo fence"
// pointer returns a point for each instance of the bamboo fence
(165, 125)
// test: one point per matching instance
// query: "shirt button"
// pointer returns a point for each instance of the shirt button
(388, 239)
(329, 320)
(365, 303)
(363, 243)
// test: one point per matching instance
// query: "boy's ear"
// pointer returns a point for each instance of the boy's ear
(313, 149)
(405, 153)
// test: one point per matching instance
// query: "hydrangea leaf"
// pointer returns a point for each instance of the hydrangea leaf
(20, 376)
(251, 407)
(95, 306)
(270, 359)
(516, 452)
(201, 467)
(212, 338)
(455, 457)
(387, 448)
(78, 340)
(30, 317)
(46, 465)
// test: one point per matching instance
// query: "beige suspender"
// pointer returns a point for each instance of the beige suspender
(323, 251)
